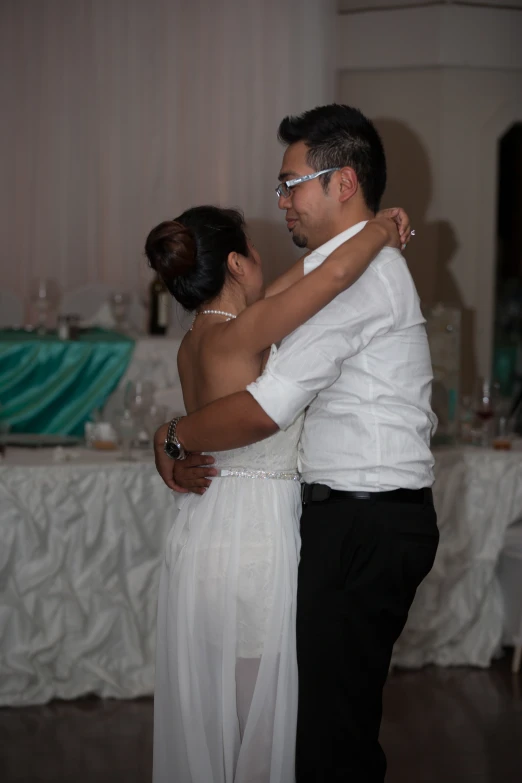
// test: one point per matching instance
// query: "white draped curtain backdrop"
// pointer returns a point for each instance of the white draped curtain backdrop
(120, 113)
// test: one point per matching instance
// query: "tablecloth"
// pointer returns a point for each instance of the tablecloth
(80, 552)
(80, 549)
(49, 385)
(457, 616)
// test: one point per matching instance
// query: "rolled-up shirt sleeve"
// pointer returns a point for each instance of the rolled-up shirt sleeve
(311, 358)
(280, 398)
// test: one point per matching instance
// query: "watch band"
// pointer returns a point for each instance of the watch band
(173, 447)
(171, 432)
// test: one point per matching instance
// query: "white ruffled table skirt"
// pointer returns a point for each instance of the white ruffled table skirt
(80, 550)
(81, 545)
(457, 616)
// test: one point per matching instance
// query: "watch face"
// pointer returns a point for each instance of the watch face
(172, 450)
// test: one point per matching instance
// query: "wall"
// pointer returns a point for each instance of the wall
(441, 125)
(121, 114)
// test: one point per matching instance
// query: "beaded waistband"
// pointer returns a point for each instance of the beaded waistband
(286, 475)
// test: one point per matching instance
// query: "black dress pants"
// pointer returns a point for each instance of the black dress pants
(361, 563)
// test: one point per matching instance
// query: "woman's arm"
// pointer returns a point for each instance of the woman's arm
(296, 271)
(271, 319)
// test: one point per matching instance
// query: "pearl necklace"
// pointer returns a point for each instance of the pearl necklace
(229, 316)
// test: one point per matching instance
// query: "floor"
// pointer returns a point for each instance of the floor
(440, 726)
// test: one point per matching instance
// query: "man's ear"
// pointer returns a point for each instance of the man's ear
(348, 184)
(235, 264)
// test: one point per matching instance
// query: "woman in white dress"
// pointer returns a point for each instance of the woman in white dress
(225, 704)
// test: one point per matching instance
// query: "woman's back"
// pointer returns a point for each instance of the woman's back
(207, 368)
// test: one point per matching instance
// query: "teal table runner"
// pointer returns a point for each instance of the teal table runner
(49, 385)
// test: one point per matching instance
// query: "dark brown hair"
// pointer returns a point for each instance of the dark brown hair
(337, 136)
(190, 253)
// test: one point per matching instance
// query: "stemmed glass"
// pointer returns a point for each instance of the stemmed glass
(138, 398)
(127, 429)
(119, 303)
(484, 407)
(154, 418)
(45, 295)
(504, 424)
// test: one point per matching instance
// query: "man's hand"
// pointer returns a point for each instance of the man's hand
(193, 473)
(182, 476)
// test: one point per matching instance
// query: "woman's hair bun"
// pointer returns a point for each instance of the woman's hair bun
(190, 253)
(171, 249)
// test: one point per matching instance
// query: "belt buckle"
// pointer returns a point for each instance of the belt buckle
(362, 495)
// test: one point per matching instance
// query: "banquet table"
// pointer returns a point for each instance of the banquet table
(457, 615)
(81, 543)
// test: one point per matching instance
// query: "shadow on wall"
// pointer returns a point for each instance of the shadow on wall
(429, 255)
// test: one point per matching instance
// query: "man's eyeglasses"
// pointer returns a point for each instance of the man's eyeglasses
(285, 188)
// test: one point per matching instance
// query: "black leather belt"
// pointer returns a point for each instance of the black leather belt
(321, 493)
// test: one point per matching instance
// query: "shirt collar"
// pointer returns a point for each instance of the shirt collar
(338, 240)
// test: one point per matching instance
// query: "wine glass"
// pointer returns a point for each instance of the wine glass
(504, 424)
(119, 304)
(127, 429)
(155, 416)
(138, 397)
(503, 434)
(45, 295)
(484, 407)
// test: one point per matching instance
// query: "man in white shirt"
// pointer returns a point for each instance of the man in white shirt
(361, 368)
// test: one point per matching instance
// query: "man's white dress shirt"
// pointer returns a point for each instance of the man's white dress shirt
(362, 369)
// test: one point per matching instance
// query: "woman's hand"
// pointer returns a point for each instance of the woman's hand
(396, 223)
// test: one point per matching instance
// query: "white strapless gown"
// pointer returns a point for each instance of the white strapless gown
(225, 703)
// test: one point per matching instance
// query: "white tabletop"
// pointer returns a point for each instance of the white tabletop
(72, 457)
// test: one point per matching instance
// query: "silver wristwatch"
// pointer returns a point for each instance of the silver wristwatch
(173, 447)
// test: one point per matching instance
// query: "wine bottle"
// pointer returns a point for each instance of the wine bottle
(159, 307)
